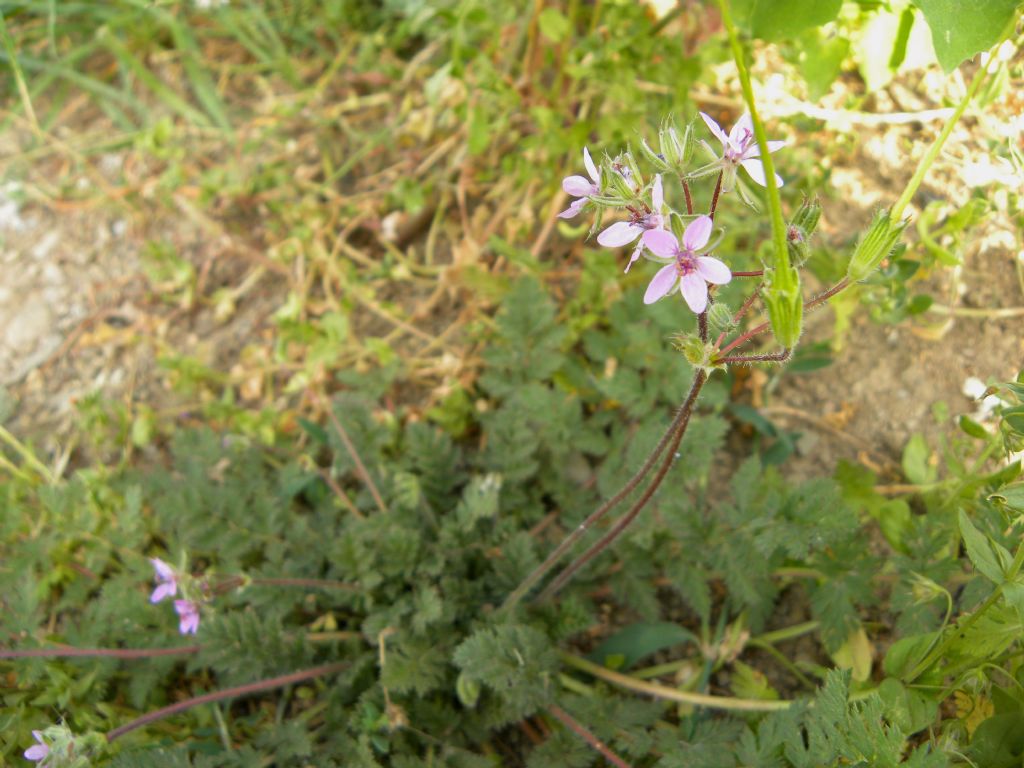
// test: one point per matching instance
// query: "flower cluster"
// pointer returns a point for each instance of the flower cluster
(680, 245)
(167, 586)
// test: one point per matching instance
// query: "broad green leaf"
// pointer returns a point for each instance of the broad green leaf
(855, 655)
(908, 709)
(749, 683)
(1011, 495)
(553, 25)
(916, 457)
(1014, 594)
(636, 641)
(780, 19)
(988, 557)
(821, 61)
(905, 653)
(999, 741)
(961, 30)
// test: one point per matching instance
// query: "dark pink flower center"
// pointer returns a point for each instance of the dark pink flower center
(686, 263)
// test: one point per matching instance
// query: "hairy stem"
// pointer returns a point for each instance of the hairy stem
(819, 299)
(576, 727)
(228, 693)
(556, 554)
(616, 530)
(111, 653)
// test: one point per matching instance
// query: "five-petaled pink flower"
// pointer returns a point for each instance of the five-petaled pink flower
(625, 232)
(580, 188)
(166, 579)
(740, 149)
(188, 615)
(692, 271)
(37, 752)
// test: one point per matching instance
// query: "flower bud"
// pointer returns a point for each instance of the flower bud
(697, 353)
(616, 174)
(807, 215)
(785, 305)
(796, 244)
(677, 150)
(875, 246)
(720, 318)
(658, 161)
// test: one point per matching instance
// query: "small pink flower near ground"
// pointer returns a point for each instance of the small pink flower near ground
(625, 232)
(740, 149)
(580, 187)
(166, 579)
(692, 271)
(188, 615)
(37, 752)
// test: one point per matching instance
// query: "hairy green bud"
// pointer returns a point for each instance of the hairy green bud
(697, 353)
(785, 305)
(875, 246)
(796, 244)
(658, 161)
(720, 318)
(677, 150)
(807, 215)
(613, 171)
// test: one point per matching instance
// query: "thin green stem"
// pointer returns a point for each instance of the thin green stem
(936, 147)
(781, 262)
(787, 633)
(727, 703)
(957, 631)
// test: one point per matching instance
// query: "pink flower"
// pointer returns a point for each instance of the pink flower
(188, 614)
(625, 232)
(580, 187)
(37, 752)
(167, 581)
(740, 149)
(692, 271)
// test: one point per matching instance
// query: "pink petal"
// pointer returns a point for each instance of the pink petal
(574, 208)
(577, 186)
(620, 233)
(715, 128)
(164, 590)
(661, 243)
(755, 151)
(164, 572)
(38, 752)
(588, 163)
(635, 255)
(713, 270)
(661, 284)
(744, 128)
(657, 195)
(697, 233)
(695, 291)
(756, 171)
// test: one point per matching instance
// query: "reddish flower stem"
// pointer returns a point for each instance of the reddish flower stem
(578, 728)
(616, 530)
(361, 470)
(755, 273)
(113, 653)
(556, 554)
(744, 308)
(819, 299)
(689, 197)
(774, 357)
(227, 693)
(714, 197)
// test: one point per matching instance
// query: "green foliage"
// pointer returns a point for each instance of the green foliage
(958, 36)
